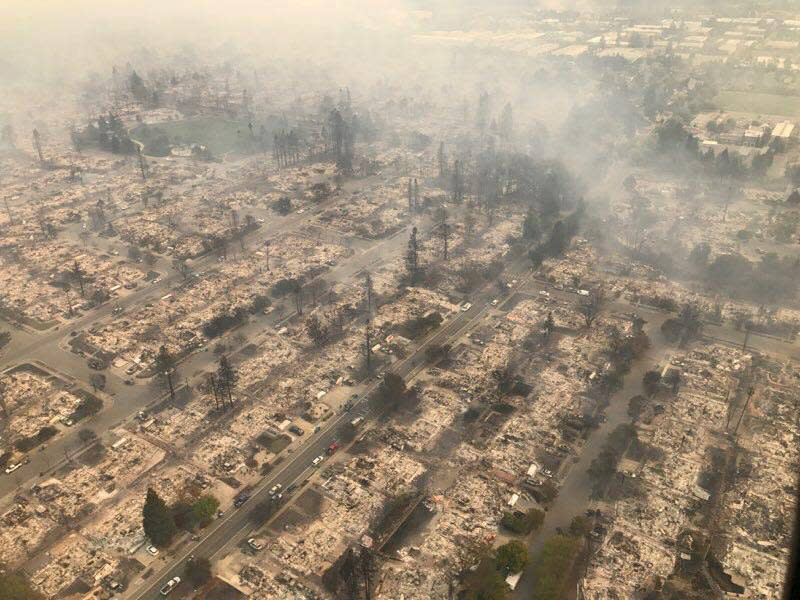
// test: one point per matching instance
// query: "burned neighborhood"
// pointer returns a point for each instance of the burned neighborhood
(415, 300)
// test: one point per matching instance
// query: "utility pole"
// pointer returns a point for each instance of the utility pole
(750, 392)
(213, 385)
(168, 373)
(142, 164)
(38, 145)
(444, 228)
(368, 350)
(368, 289)
(8, 210)
(746, 336)
(266, 250)
(416, 194)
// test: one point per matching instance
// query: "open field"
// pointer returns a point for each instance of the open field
(758, 103)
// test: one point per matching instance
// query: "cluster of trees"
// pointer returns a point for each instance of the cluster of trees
(223, 382)
(559, 239)
(105, 132)
(473, 274)
(685, 327)
(671, 141)
(553, 565)
(286, 148)
(161, 522)
(487, 580)
(282, 206)
(341, 140)
(522, 523)
(219, 324)
(769, 280)
(419, 326)
(604, 467)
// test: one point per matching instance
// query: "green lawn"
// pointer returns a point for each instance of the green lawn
(758, 103)
(218, 135)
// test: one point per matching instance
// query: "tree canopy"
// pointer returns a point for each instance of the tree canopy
(157, 519)
(512, 557)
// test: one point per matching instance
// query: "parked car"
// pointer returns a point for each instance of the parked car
(255, 544)
(296, 430)
(317, 460)
(170, 585)
(241, 499)
(152, 550)
(466, 306)
(275, 490)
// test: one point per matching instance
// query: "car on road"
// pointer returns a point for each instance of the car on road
(495, 302)
(67, 421)
(170, 585)
(275, 490)
(317, 460)
(11, 468)
(466, 306)
(97, 365)
(241, 499)
(129, 382)
(583, 292)
(152, 550)
(544, 294)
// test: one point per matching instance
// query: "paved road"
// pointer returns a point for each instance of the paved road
(236, 525)
(127, 400)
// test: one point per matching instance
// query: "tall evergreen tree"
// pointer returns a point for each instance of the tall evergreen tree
(157, 519)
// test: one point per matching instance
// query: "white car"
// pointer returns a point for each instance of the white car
(275, 489)
(318, 460)
(170, 585)
(544, 294)
(152, 550)
(12, 468)
(255, 544)
(466, 306)
(583, 292)
(495, 302)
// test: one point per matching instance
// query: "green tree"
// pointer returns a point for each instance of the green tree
(157, 519)
(485, 583)
(530, 226)
(551, 568)
(511, 557)
(580, 526)
(393, 388)
(522, 524)
(204, 509)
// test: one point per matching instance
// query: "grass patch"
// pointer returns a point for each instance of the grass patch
(759, 103)
(274, 443)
